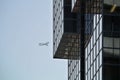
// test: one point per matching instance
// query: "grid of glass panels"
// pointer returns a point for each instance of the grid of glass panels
(64, 27)
(57, 23)
(92, 7)
(111, 45)
(73, 69)
(93, 50)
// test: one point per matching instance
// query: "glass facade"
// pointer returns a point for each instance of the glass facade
(93, 40)
(101, 29)
(74, 64)
(65, 30)
(111, 47)
(74, 69)
(93, 50)
(58, 23)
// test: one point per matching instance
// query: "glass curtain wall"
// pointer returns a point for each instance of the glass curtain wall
(74, 69)
(58, 27)
(74, 62)
(111, 41)
(93, 46)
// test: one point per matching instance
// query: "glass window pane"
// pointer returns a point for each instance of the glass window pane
(108, 42)
(100, 57)
(86, 53)
(91, 42)
(100, 73)
(88, 62)
(94, 21)
(97, 63)
(91, 71)
(116, 52)
(94, 53)
(94, 68)
(91, 56)
(100, 25)
(100, 41)
(94, 37)
(116, 43)
(108, 52)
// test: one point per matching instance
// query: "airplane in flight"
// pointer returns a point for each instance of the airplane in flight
(44, 44)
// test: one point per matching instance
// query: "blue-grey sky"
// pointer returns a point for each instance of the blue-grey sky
(23, 24)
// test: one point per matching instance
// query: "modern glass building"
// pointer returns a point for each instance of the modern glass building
(90, 38)
(65, 30)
